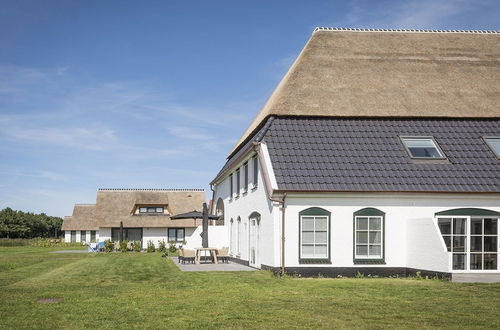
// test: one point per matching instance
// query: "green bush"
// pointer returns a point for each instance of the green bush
(162, 246)
(171, 246)
(151, 247)
(123, 246)
(137, 246)
(108, 246)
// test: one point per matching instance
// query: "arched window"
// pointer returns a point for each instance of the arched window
(471, 236)
(231, 233)
(314, 235)
(369, 227)
(238, 236)
(219, 210)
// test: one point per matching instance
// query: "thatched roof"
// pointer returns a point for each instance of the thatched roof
(116, 205)
(82, 218)
(377, 73)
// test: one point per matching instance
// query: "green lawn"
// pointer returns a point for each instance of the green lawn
(146, 291)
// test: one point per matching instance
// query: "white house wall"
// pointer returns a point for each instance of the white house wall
(411, 238)
(217, 237)
(255, 200)
(67, 236)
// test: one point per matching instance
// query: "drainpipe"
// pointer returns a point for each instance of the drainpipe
(281, 202)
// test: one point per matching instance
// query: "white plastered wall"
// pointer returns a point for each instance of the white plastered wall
(255, 200)
(411, 237)
(155, 235)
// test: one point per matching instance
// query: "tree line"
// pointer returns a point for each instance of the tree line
(19, 224)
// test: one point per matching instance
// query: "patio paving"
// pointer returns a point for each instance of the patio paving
(209, 267)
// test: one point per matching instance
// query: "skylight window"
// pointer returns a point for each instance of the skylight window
(494, 144)
(422, 148)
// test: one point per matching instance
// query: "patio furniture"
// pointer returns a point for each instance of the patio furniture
(212, 251)
(188, 255)
(181, 255)
(223, 254)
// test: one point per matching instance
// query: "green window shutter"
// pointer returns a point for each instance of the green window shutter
(469, 212)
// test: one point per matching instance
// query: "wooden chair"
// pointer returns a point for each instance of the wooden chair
(223, 254)
(181, 255)
(188, 255)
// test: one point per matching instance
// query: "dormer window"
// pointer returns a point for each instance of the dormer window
(494, 144)
(422, 147)
(150, 210)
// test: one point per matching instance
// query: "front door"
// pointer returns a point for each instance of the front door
(254, 242)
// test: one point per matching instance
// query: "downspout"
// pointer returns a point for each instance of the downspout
(281, 202)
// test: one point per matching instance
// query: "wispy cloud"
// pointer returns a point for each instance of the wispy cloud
(421, 14)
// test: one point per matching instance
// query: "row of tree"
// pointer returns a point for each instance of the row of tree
(19, 224)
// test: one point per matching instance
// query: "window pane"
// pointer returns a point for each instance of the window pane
(308, 237)
(375, 223)
(362, 223)
(444, 226)
(476, 226)
(159, 210)
(180, 234)
(321, 223)
(362, 237)
(375, 251)
(172, 234)
(458, 261)
(422, 147)
(83, 236)
(307, 251)
(476, 243)
(490, 244)
(459, 226)
(494, 144)
(458, 243)
(476, 261)
(321, 251)
(490, 261)
(307, 223)
(447, 241)
(143, 210)
(490, 226)
(134, 234)
(151, 209)
(375, 237)
(321, 237)
(362, 250)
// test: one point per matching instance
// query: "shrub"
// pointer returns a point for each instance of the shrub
(137, 246)
(162, 247)
(151, 246)
(108, 246)
(171, 246)
(359, 275)
(123, 246)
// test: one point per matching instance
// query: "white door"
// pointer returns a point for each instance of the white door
(254, 243)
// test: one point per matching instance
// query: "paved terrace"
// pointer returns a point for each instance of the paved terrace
(210, 267)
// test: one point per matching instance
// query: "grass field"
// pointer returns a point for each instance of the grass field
(135, 290)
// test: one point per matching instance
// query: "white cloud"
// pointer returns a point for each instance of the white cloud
(422, 14)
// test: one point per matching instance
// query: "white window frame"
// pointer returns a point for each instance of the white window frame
(301, 256)
(431, 138)
(467, 243)
(486, 140)
(368, 257)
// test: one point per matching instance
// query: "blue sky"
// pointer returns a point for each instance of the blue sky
(154, 94)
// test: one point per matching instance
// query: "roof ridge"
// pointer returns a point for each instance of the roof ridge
(321, 28)
(150, 189)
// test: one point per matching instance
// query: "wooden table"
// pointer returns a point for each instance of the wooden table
(213, 253)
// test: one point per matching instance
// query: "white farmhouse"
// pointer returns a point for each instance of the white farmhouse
(378, 153)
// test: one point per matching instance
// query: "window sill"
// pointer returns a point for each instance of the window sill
(369, 261)
(314, 261)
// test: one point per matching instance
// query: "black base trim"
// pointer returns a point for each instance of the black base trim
(239, 261)
(353, 271)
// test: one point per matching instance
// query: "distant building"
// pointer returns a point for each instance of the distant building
(378, 153)
(144, 215)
